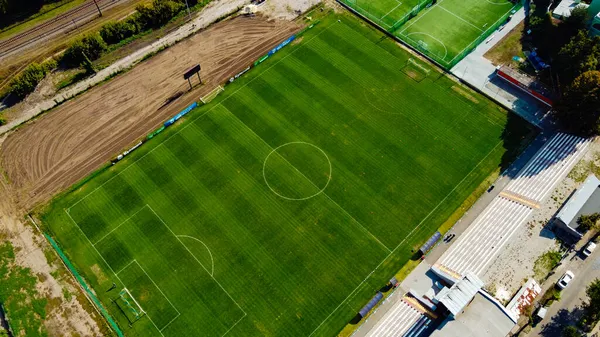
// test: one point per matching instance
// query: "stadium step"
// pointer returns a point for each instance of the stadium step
(512, 196)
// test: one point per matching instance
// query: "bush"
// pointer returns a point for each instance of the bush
(157, 14)
(90, 47)
(115, 32)
(25, 83)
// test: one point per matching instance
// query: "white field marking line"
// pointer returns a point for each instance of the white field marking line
(162, 293)
(202, 115)
(460, 18)
(374, 18)
(393, 9)
(121, 224)
(431, 36)
(500, 18)
(171, 321)
(195, 258)
(407, 236)
(234, 324)
(133, 299)
(212, 262)
(419, 18)
(290, 143)
(129, 264)
(402, 18)
(302, 174)
(108, 265)
(499, 3)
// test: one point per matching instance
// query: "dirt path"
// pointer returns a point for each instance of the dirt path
(66, 144)
(67, 309)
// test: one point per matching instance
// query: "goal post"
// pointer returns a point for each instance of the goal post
(129, 306)
(416, 70)
(211, 95)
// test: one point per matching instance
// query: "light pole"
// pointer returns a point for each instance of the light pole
(98, 7)
(188, 9)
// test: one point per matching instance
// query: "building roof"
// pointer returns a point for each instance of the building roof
(585, 200)
(565, 7)
(482, 318)
(462, 292)
(524, 297)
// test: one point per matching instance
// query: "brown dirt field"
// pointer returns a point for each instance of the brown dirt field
(64, 145)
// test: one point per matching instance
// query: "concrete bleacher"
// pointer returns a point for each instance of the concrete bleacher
(476, 248)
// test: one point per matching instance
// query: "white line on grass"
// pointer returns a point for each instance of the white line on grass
(404, 240)
(212, 262)
(431, 36)
(108, 265)
(460, 18)
(457, 55)
(202, 115)
(420, 17)
(121, 224)
(129, 264)
(195, 258)
(305, 177)
(393, 9)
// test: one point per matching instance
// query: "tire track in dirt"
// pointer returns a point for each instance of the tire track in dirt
(66, 144)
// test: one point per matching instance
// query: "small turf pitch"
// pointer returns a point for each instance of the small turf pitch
(283, 205)
(445, 31)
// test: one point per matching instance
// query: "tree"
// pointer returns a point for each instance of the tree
(587, 222)
(578, 110)
(581, 54)
(570, 331)
(592, 308)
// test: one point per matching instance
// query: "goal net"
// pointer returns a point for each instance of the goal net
(416, 70)
(212, 95)
(129, 306)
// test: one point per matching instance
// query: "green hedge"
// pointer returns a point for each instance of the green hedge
(90, 47)
(25, 83)
(115, 32)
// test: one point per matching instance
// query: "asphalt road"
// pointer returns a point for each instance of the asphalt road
(55, 27)
(568, 310)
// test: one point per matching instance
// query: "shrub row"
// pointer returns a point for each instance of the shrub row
(147, 16)
(24, 83)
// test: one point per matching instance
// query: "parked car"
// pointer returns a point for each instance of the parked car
(565, 279)
(587, 251)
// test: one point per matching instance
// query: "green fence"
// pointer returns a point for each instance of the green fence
(365, 10)
(89, 292)
(483, 36)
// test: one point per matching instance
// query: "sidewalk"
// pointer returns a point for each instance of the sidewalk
(479, 72)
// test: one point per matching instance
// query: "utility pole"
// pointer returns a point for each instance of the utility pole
(98, 7)
(188, 9)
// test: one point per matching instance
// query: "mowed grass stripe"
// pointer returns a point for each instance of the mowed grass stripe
(391, 83)
(290, 265)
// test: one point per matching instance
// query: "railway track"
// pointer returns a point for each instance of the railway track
(63, 23)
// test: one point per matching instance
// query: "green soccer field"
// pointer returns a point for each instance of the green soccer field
(282, 206)
(449, 29)
(445, 31)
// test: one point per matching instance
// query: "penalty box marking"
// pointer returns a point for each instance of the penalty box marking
(128, 265)
(157, 287)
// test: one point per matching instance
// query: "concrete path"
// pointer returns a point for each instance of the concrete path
(214, 11)
(480, 73)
